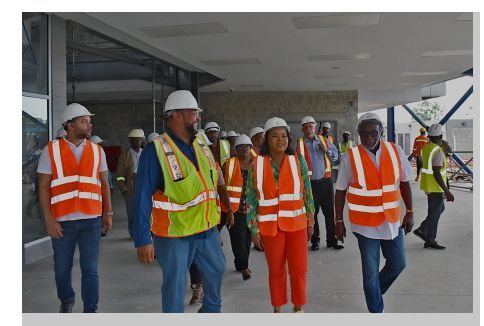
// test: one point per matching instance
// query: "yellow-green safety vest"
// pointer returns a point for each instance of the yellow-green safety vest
(428, 182)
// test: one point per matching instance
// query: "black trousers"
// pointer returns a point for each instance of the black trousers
(195, 275)
(436, 206)
(240, 239)
(323, 198)
(419, 161)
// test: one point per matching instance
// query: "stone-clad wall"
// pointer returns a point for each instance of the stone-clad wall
(242, 111)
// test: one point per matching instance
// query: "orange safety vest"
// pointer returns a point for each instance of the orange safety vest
(374, 196)
(234, 182)
(75, 187)
(418, 144)
(282, 203)
(330, 138)
(303, 150)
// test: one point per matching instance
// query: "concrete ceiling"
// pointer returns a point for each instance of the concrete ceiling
(384, 56)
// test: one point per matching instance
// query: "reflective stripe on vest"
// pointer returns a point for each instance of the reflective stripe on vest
(173, 207)
(428, 169)
(253, 153)
(175, 169)
(75, 187)
(371, 207)
(234, 183)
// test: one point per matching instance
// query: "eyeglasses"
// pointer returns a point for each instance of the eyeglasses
(365, 133)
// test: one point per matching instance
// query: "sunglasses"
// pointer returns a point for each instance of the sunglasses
(364, 133)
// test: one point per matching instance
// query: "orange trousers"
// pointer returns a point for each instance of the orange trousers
(293, 248)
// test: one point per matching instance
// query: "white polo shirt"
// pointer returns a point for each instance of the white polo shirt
(45, 167)
(385, 231)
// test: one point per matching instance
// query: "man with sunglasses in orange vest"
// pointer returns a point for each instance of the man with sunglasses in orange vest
(319, 152)
(374, 176)
(73, 189)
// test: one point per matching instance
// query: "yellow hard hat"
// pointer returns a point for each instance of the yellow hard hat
(422, 129)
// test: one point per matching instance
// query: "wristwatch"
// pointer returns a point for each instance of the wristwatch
(110, 213)
(410, 210)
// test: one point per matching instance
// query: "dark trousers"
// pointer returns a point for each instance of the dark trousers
(195, 275)
(323, 198)
(240, 239)
(436, 206)
(419, 161)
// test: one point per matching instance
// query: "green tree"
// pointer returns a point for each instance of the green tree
(429, 110)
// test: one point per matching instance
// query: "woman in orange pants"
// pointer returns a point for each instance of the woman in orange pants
(280, 213)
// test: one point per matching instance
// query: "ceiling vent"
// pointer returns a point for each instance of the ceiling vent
(227, 62)
(344, 20)
(339, 57)
(184, 30)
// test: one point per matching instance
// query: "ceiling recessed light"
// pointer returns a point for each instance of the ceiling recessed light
(226, 62)
(330, 76)
(339, 57)
(465, 16)
(443, 53)
(251, 86)
(345, 20)
(184, 30)
(423, 73)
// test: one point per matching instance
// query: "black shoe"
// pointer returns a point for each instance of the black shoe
(315, 246)
(419, 233)
(335, 246)
(103, 234)
(246, 274)
(433, 245)
(66, 305)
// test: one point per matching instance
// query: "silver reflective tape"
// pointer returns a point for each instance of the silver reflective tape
(64, 180)
(91, 180)
(389, 188)
(268, 202)
(393, 204)
(359, 167)
(288, 197)
(90, 195)
(233, 188)
(260, 176)
(65, 196)
(295, 176)
(234, 200)
(365, 209)
(364, 192)
(174, 167)
(57, 158)
(393, 157)
(95, 151)
(292, 213)
(267, 218)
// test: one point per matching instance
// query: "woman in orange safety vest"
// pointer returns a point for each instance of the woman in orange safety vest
(280, 213)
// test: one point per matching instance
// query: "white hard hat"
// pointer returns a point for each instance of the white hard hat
(95, 139)
(369, 116)
(275, 122)
(436, 130)
(243, 139)
(61, 133)
(74, 110)
(135, 133)
(254, 131)
(231, 133)
(326, 125)
(347, 132)
(153, 136)
(307, 119)
(212, 125)
(179, 100)
(223, 134)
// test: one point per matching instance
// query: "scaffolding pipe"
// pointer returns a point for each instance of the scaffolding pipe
(391, 124)
(457, 106)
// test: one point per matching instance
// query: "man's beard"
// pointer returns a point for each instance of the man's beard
(191, 129)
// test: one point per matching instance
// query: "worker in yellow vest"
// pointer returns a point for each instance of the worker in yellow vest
(73, 190)
(256, 135)
(434, 184)
(177, 182)
(375, 176)
(319, 152)
(418, 144)
(346, 144)
(220, 148)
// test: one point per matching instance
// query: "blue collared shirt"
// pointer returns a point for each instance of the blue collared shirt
(318, 164)
(149, 178)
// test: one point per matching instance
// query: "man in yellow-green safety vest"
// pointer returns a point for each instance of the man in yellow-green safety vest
(433, 183)
(346, 144)
(177, 184)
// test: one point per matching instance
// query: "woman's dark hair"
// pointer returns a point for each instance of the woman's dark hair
(264, 149)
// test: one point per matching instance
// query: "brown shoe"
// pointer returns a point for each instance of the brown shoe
(416, 178)
(246, 274)
(197, 296)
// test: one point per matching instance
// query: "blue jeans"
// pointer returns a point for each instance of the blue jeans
(376, 283)
(175, 255)
(87, 234)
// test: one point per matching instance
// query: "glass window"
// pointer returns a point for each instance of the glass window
(34, 53)
(35, 135)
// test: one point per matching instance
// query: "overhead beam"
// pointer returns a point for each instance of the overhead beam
(457, 106)
(391, 124)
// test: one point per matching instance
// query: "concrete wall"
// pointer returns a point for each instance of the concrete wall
(113, 121)
(242, 111)
(59, 73)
